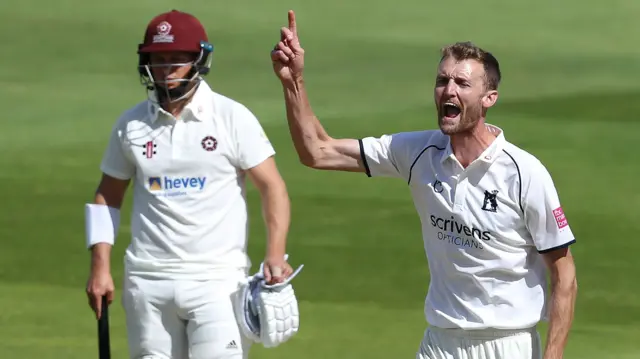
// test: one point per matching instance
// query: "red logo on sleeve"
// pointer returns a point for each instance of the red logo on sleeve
(561, 220)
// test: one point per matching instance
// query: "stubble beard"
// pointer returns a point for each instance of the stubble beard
(468, 119)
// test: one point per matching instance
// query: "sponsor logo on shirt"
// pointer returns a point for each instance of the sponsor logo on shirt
(176, 186)
(459, 234)
(561, 220)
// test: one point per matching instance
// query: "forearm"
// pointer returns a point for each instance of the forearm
(306, 130)
(277, 215)
(563, 298)
(101, 257)
(101, 252)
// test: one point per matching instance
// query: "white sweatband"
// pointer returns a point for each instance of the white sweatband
(101, 223)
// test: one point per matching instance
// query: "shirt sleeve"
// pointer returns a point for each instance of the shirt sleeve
(115, 161)
(544, 216)
(390, 155)
(377, 156)
(252, 144)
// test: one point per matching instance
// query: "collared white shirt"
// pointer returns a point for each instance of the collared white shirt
(483, 227)
(189, 216)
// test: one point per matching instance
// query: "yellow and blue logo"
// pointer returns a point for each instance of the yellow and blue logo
(167, 183)
(155, 184)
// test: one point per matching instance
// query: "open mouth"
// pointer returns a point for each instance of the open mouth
(450, 110)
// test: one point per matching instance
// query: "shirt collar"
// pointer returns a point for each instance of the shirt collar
(488, 155)
(197, 109)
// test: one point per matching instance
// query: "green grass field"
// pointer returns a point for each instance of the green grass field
(569, 95)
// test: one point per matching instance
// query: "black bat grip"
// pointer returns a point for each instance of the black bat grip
(104, 345)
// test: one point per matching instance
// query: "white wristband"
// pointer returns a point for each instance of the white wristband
(101, 224)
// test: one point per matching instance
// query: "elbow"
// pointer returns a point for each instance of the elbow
(308, 155)
(274, 193)
(572, 280)
(574, 285)
(315, 155)
(571, 290)
(568, 286)
(308, 161)
(314, 162)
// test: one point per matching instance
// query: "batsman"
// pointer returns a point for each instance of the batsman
(187, 151)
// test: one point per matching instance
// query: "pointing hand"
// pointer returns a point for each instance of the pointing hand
(288, 56)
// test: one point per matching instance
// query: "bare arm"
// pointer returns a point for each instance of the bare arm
(316, 149)
(564, 287)
(111, 193)
(277, 216)
(275, 205)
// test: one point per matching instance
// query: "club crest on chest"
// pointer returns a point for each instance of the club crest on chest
(209, 143)
(490, 203)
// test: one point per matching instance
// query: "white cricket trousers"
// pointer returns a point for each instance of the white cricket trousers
(182, 319)
(441, 343)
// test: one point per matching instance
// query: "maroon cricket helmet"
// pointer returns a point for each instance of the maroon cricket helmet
(173, 31)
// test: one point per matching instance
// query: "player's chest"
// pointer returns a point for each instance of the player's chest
(469, 208)
(182, 147)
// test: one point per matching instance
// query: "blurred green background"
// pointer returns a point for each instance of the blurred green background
(569, 95)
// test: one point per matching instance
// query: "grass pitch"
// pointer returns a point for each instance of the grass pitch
(569, 95)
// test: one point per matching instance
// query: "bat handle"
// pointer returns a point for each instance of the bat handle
(104, 345)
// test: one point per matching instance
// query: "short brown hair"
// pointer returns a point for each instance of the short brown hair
(468, 51)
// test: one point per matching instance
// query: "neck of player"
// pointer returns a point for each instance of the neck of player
(468, 146)
(175, 108)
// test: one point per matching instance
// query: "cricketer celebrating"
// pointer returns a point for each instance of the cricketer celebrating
(491, 219)
(187, 150)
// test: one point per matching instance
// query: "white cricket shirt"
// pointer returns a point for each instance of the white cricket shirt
(189, 216)
(483, 227)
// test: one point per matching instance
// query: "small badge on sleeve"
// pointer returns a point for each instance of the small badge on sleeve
(561, 220)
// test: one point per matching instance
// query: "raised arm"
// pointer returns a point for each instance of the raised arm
(316, 149)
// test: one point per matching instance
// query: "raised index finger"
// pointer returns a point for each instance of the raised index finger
(292, 23)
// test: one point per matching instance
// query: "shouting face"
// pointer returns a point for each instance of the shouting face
(461, 95)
